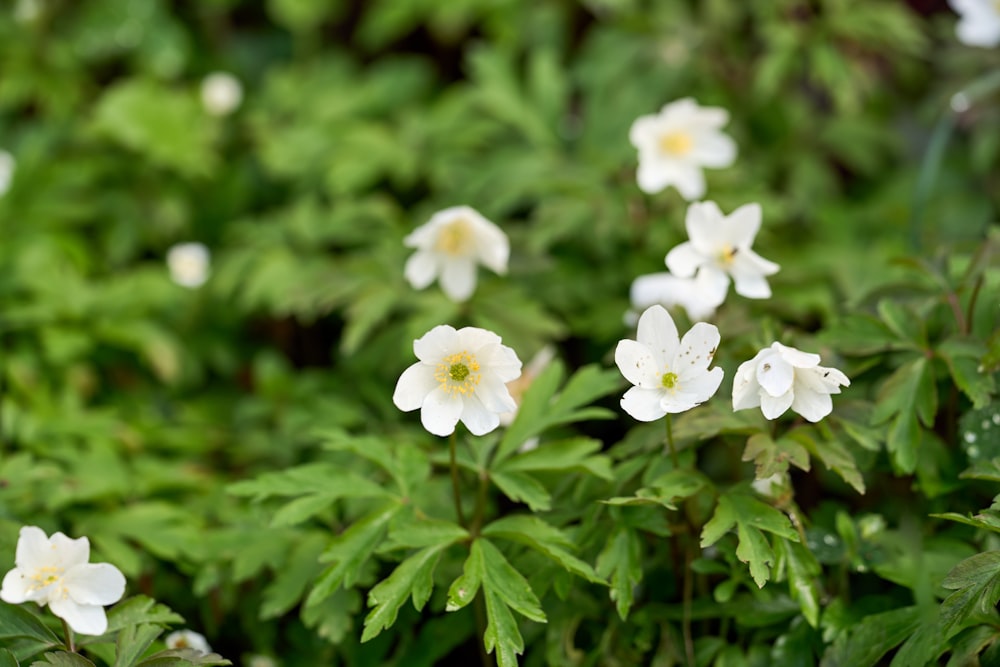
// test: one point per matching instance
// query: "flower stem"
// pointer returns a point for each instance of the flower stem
(69, 636)
(456, 493)
(670, 442)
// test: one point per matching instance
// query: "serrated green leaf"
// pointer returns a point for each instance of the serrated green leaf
(522, 487)
(132, 642)
(463, 590)
(414, 533)
(835, 456)
(864, 644)
(406, 464)
(323, 479)
(62, 659)
(750, 517)
(182, 657)
(140, 610)
(16, 622)
(412, 578)
(620, 562)
(290, 581)
(773, 457)
(502, 636)
(544, 538)
(962, 356)
(802, 569)
(908, 398)
(501, 578)
(976, 582)
(563, 455)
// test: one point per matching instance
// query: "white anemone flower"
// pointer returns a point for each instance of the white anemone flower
(7, 164)
(781, 377)
(188, 639)
(978, 22)
(719, 247)
(694, 295)
(461, 375)
(54, 571)
(670, 374)
(450, 245)
(676, 143)
(221, 93)
(189, 264)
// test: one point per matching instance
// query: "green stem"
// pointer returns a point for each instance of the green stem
(69, 636)
(670, 442)
(479, 514)
(455, 491)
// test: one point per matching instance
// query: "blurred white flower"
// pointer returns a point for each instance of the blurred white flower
(7, 164)
(461, 375)
(694, 295)
(189, 264)
(669, 374)
(188, 639)
(720, 247)
(517, 387)
(450, 245)
(258, 660)
(781, 377)
(221, 93)
(676, 143)
(978, 22)
(54, 571)
(27, 11)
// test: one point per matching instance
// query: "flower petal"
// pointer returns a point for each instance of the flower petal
(413, 386)
(812, 405)
(775, 375)
(689, 181)
(713, 284)
(696, 350)
(16, 587)
(746, 391)
(85, 619)
(739, 228)
(643, 404)
(637, 364)
(69, 552)
(749, 284)
(653, 175)
(683, 260)
(713, 149)
(421, 269)
(458, 278)
(775, 406)
(703, 222)
(796, 357)
(492, 246)
(95, 583)
(703, 387)
(33, 549)
(478, 418)
(440, 412)
(436, 344)
(658, 333)
(676, 402)
(492, 392)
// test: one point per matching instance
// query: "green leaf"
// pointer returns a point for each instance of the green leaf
(802, 569)
(563, 455)
(7, 659)
(864, 644)
(772, 457)
(501, 578)
(181, 657)
(290, 581)
(544, 538)
(908, 398)
(665, 489)
(502, 636)
(62, 659)
(834, 456)
(415, 533)
(976, 582)
(620, 561)
(522, 487)
(132, 642)
(751, 517)
(138, 610)
(350, 550)
(405, 462)
(412, 578)
(463, 590)
(16, 623)
(962, 357)
(323, 479)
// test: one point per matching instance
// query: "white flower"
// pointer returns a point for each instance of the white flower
(978, 23)
(781, 377)
(694, 295)
(189, 264)
(719, 247)
(188, 639)
(669, 374)
(7, 164)
(54, 571)
(676, 143)
(461, 375)
(221, 93)
(450, 245)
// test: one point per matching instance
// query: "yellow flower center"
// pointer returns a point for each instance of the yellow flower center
(45, 576)
(458, 373)
(729, 252)
(677, 144)
(669, 380)
(454, 238)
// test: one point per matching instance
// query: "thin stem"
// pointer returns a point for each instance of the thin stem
(480, 608)
(670, 442)
(688, 594)
(456, 493)
(956, 308)
(479, 514)
(972, 302)
(69, 636)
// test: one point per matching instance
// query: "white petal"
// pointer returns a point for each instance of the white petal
(675, 402)
(703, 387)
(812, 405)
(978, 31)
(652, 176)
(774, 406)
(643, 404)
(739, 229)
(95, 583)
(750, 284)
(643, 132)
(795, 357)
(683, 260)
(478, 418)
(775, 375)
(833, 379)
(69, 552)
(492, 246)
(658, 333)
(16, 587)
(474, 339)
(711, 117)
(458, 278)
(33, 549)
(436, 344)
(746, 391)
(84, 619)
(703, 222)
(494, 395)
(500, 361)
(662, 288)
(696, 350)
(440, 412)
(713, 284)
(689, 181)
(421, 269)
(637, 364)
(713, 149)
(413, 386)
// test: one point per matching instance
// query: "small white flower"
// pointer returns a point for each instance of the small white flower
(694, 295)
(461, 375)
(450, 245)
(669, 374)
(676, 143)
(188, 639)
(189, 264)
(781, 377)
(221, 93)
(720, 247)
(978, 23)
(7, 164)
(54, 571)
(517, 387)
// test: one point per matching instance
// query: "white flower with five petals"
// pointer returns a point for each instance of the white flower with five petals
(719, 247)
(676, 143)
(461, 375)
(449, 247)
(670, 374)
(781, 377)
(54, 571)
(978, 23)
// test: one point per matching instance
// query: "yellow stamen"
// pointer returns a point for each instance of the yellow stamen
(458, 373)
(669, 380)
(677, 144)
(727, 254)
(454, 238)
